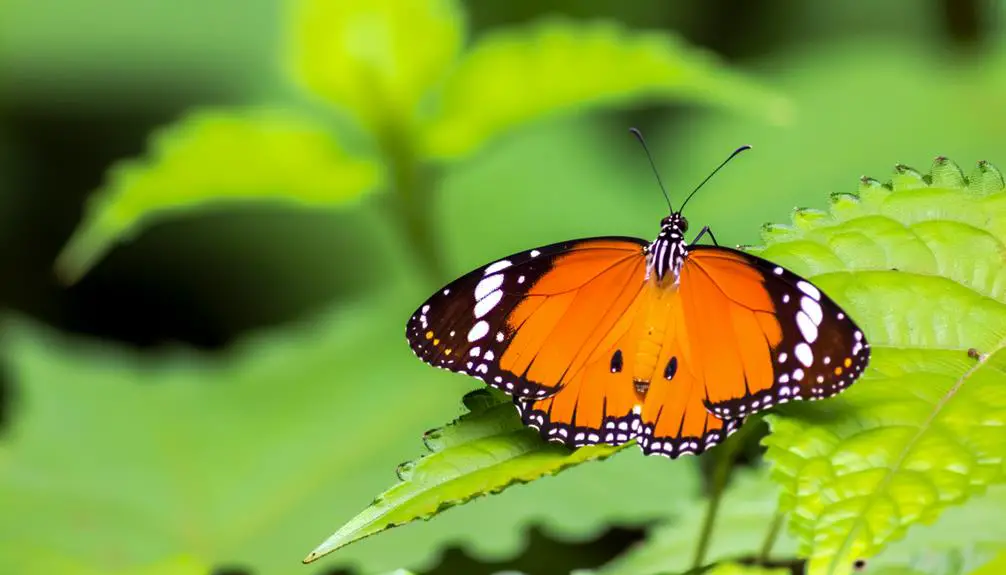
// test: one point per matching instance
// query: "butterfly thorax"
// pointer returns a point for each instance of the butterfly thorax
(666, 254)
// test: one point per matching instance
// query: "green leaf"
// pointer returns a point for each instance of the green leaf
(247, 459)
(375, 58)
(952, 544)
(213, 159)
(513, 77)
(738, 569)
(921, 268)
(482, 452)
(746, 512)
(994, 567)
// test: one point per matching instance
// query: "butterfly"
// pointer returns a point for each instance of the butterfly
(667, 342)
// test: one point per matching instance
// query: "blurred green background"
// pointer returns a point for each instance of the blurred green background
(224, 390)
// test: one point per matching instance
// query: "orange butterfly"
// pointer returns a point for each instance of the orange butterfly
(670, 343)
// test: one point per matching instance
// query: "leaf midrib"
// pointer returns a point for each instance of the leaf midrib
(909, 447)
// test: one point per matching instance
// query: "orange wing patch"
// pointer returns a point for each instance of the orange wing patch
(674, 418)
(569, 311)
(764, 335)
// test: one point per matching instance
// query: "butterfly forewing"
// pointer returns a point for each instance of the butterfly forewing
(527, 323)
(768, 336)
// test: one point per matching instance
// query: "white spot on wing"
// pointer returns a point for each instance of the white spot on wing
(807, 328)
(535, 253)
(486, 304)
(805, 287)
(804, 354)
(488, 285)
(812, 309)
(478, 331)
(500, 265)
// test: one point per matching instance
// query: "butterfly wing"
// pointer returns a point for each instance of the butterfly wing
(639, 383)
(764, 335)
(528, 323)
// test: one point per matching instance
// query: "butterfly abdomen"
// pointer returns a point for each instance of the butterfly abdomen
(652, 335)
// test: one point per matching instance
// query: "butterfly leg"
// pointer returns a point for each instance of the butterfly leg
(705, 230)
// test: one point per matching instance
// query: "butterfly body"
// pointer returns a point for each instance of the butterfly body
(611, 339)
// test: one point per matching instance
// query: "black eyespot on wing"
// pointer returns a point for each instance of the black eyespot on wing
(616, 362)
(671, 369)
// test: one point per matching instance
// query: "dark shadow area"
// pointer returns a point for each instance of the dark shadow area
(544, 555)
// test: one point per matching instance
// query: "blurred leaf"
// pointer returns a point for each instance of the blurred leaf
(43, 561)
(376, 58)
(737, 569)
(514, 77)
(116, 460)
(963, 538)
(924, 429)
(747, 511)
(115, 55)
(996, 566)
(483, 452)
(212, 159)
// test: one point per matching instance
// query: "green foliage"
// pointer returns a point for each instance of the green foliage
(924, 428)
(375, 59)
(738, 569)
(963, 538)
(747, 510)
(249, 457)
(513, 77)
(397, 69)
(216, 159)
(483, 452)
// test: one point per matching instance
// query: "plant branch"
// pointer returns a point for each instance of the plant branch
(721, 474)
(773, 533)
(413, 203)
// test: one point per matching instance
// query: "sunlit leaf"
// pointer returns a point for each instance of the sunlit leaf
(212, 159)
(746, 514)
(513, 77)
(375, 58)
(962, 539)
(921, 268)
(482, 452)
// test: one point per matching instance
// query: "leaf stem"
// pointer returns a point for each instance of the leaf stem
(413, 202)
(721, 474)
(773, 533)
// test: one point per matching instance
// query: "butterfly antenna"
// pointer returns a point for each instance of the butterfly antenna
(725, 162)
(639, 136)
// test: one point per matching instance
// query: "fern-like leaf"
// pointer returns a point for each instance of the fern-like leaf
(920, 264)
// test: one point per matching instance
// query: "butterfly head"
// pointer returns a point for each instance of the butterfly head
(674, 226)
(667, 253)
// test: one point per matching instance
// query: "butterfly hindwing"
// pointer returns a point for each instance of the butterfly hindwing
(765, 335)
(528, 322)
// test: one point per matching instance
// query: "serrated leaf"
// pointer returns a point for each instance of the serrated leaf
(747, 510)
(952, 545)
(211, 159)
(513, 77)
(921, 268)
(375, 58)
(481, 453)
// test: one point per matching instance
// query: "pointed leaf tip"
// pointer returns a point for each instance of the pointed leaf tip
(482, 452)
(212, 159)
